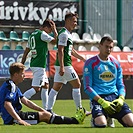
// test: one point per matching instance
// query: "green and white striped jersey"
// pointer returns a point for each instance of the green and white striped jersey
(38, 44)
(65, 39)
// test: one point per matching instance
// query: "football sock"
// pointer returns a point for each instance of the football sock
(52, 98)
(77, 97)
(29, 93)
(44, 97)
(62, 120)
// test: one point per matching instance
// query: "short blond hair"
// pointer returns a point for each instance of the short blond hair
(16, 68)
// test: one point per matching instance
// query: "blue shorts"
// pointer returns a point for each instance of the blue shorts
(97, 110)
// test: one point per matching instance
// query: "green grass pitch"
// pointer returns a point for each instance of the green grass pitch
(67, 108)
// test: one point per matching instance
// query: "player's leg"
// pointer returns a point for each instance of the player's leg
(44, 95)
(32, 91)
(100, 121)
(72, 77)
(58, 83)
(98, 116)
(125, 116)
(38, 74)
(128, 119)
(56, 119)
(34, 118)
(45, 88)
(53, 95)
(110, 121)
(76, 94)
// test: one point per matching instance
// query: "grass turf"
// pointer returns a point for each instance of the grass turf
(66, 108)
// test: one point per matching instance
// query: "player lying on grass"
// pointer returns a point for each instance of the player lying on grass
(11, 98)
(103, 82)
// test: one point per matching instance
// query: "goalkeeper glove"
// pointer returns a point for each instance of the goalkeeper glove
(109, 107)
(119, 103)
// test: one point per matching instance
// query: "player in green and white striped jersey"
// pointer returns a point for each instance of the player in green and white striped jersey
(64, 71)
(38, 46)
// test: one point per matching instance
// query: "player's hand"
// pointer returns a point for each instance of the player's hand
(22, 122)
(62, 71)
(53, 26)
(109, 107)
(119, 103)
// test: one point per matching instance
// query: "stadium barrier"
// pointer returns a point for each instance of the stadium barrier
(9, 56)
(66, 92)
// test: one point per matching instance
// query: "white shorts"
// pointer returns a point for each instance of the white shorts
(39, 76)
(69, 75)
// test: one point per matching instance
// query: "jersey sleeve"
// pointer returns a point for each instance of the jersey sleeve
(87, 80)
(119, 83)
(46, 37)
(11, 92)
(20, 93)
(28, 43)
(62, 39)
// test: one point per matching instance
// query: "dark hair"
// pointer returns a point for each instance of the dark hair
(16, 68)
(47, 23)
(106, 38)
(70, 15)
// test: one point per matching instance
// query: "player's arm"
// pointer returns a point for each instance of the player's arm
(87, 80)
(121, 89)
(119, 83)
(62, 42)
(27, 50)
(61, 59)
(8, 106)
(47, 38)
(53, 41)
(31, 104)
(77, 55)
(88, 88)
(53, 26)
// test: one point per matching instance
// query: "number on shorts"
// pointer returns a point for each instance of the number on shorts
(31, 116)
(73, 75)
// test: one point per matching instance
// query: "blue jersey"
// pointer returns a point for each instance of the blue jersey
(9, 92)
(103, 77)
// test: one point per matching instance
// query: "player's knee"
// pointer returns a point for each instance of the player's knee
(37, 89)
(46, 86)
(130, 124)
(77, 85)
(44, 116)
(128, 120)
(100, 124)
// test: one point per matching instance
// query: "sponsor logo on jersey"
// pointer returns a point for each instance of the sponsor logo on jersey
(11, 95)
(86, 71)
(107, 76)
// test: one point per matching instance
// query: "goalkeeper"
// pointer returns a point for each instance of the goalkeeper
(103, 83)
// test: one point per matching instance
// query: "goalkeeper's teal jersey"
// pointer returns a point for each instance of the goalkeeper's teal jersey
(38, 48)
(65, 39)
(103, 77)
